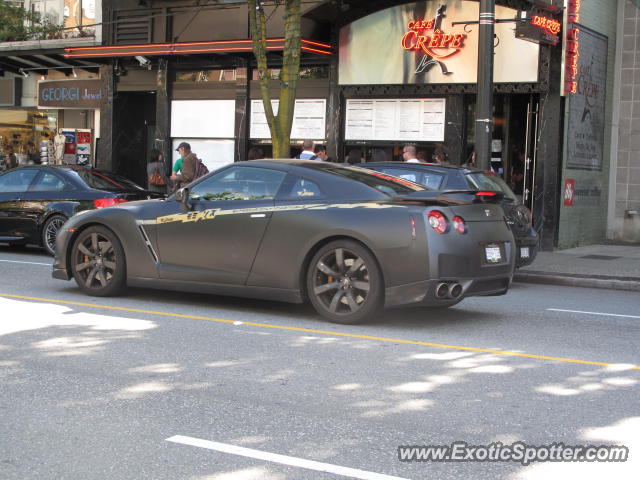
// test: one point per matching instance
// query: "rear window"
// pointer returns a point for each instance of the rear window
(106, 181)
(382, 182)
(483, 181)
(428, 178)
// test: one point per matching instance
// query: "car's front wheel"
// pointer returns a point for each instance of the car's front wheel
(50, 231)
(98, 262)
(344, 282)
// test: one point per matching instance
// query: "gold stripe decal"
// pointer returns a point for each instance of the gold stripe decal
(188, 217)
(212, 213)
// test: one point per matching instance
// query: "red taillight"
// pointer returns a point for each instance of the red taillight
(459, 225)
(438, 221)
(107, 202)
(485, 194)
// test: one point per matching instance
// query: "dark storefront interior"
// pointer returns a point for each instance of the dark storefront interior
(135, 116)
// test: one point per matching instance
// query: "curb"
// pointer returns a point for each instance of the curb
(575, 281)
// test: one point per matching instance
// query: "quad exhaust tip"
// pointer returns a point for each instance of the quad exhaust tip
(448, 290)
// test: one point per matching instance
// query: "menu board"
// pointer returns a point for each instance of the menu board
(402, 119)
(309, 119)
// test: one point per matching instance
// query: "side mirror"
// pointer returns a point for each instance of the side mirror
(182, 196)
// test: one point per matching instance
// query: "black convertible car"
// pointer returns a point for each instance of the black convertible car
(347, 239)
(36, 201)
(447, 177)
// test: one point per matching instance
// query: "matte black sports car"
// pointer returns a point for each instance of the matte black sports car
(36, 201)
(446, 177)
(347, 239)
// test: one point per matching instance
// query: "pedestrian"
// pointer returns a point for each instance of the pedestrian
(157, 180)
(379, 155)
(188, 166)
(438, 157)
(354, 156)
(321, 153)
(255, 153)
(470, 162)
(307, 151)
(409, 154)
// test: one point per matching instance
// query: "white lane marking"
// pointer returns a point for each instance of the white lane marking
(27, 263)
(592, 313)
(283, 459)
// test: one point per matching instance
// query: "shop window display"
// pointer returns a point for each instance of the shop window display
(25, 136)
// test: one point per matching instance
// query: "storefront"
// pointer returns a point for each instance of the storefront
(407, 74)
(22, 131)
(26, 132)
(48, 120)
(75, 104)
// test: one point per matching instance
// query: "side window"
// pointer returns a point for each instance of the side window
(458, 181)
(298, 188)
(402, 173)
(239, 183)
(432, 180)
(17, 181)
(48, 182)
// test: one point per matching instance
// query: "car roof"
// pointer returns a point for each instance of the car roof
(313, 164)
(57, 167)
(419, 166)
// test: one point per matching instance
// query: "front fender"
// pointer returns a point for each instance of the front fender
(122, 222)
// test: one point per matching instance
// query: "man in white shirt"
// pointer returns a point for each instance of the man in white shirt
(307, 151)
(409, 154)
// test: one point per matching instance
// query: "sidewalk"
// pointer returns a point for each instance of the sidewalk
(612, 266)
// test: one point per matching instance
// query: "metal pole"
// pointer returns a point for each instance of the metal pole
(484, 103)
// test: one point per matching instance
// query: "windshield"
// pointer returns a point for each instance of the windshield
(483, 181)
(106, 181)
(382, 182)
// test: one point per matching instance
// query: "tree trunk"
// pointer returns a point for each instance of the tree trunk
(280, 124)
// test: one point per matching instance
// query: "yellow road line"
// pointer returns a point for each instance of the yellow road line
(318, 332)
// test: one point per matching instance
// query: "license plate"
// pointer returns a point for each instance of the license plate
(492, 254)
(524, 252)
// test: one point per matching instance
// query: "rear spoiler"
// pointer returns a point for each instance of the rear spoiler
(454, 197)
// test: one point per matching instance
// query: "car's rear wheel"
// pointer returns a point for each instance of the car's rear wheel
(50, 231)
(344, 282)
(98, 262)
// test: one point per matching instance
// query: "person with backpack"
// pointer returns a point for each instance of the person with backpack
(192, 167)
(157, 180)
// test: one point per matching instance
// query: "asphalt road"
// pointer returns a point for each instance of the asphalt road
(93, 388)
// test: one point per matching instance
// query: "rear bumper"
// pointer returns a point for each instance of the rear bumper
(424, 293)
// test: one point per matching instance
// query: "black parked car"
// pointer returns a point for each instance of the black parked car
(36, 201)
(347, 239)
(449, 178)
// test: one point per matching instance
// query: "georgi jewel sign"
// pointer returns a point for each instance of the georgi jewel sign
(70, 94)
(417, 43)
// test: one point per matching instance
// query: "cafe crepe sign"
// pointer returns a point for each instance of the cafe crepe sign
(428, 38)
